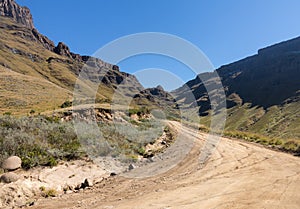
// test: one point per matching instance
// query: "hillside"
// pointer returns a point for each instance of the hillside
(263, 92)
(28, 57)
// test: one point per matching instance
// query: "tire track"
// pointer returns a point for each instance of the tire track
(237, 175)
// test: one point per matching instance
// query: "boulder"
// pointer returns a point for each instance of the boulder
(9, 178)
(12, 163)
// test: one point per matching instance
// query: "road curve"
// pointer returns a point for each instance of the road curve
(237, 175)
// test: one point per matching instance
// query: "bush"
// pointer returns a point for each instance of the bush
(120, 140)
(138, 111)
(37, 141)
(44, 141)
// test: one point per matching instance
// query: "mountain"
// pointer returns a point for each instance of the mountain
(37, 75)
(262, 91)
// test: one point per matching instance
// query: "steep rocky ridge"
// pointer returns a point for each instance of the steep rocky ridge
(262, 91)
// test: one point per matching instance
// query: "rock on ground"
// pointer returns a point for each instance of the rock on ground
(9, 178)
(12, 163)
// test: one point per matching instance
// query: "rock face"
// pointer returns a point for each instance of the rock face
(47, 43)
(9, 178)
(12, 163)
(157, 94)
(62, 49)
(22, 15)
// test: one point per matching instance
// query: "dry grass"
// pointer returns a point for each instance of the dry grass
(287, 145)
(30, 82)
(21, 94)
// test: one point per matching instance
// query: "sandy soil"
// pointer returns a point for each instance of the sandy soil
(65, 175)
(238, 175)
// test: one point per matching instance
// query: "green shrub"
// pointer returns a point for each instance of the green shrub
(138, 111)
(43, 141)
(38, 140)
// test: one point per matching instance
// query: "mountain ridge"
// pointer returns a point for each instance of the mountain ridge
(262, 91)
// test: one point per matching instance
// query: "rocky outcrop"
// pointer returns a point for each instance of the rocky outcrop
(62, 49)
(22, 15)
(156, 93)
(165, 102)
(47, 43)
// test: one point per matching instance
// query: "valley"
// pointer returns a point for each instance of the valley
(78, 132)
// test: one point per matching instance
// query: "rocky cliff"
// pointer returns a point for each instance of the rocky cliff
(22, 15)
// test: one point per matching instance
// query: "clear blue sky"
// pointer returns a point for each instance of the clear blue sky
(225, 31)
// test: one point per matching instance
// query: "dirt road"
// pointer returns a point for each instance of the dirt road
(238, 175)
